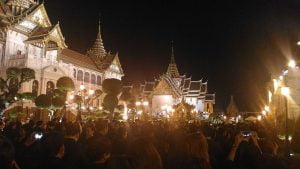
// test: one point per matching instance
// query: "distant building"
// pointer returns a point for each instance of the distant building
(232, 109)
(29, 39)
(171, 88)
(276, 101)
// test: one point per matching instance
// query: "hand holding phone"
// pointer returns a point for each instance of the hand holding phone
(246, 134)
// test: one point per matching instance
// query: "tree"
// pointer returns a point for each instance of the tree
(112, 88)
(65, 84)
(10, 86)
(110, 102)
(55, 100)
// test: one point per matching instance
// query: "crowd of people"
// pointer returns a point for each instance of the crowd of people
(104, 144)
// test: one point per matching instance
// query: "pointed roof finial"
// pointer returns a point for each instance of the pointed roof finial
(172, 68)
(172, 46)
(99, 26)
(98, 49)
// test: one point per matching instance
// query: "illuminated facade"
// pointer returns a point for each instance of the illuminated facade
(276, 100)
(29, 39)
(171, 88)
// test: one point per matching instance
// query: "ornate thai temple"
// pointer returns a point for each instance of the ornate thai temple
(29, 39)
(172, 88)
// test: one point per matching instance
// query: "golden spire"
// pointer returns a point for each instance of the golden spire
(98, 49)
(172, 68)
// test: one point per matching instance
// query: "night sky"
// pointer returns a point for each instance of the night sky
(235, 45)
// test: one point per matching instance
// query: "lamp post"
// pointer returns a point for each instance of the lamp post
(84, 99)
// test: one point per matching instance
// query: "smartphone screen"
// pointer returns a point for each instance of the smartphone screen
(38, 135)
(246, 133)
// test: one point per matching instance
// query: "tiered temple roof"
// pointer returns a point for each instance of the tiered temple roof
(184, 89)
(100, 57)
(98, 49)
(172, 68)
(232, 109)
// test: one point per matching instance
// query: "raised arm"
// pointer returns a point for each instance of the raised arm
(237, 140)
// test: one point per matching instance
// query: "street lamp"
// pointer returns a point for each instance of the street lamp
(138, 103)
(285, 91)
(264, 113)
(292, 64)
(81, 87)
(145, 103)
(267, 108)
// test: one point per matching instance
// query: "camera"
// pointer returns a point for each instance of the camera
(38, 135)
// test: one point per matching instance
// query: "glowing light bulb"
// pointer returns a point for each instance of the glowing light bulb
(81, 87)
(267, 108)
(259, 117)
(145, 103)
(285, 91)
(91, 92)
(71, 97)
(292, 64)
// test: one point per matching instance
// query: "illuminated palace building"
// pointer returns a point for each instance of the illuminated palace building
(29, 39)
(171, 89)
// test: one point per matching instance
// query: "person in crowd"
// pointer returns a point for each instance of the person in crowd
(2, 125)
(145, 155)
(27, 153)
(28, 127)
(7, 154)
(101, 129)
(39, 126)
(53, 150)
(245, 152)
(197, 152)
(270, 157)
(87, 133)
(99, 151)
(120, 141)
(75, 156)
(141, 144)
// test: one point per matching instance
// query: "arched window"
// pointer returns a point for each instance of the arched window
(74, 73)
(35, 87)
(50, 88)
(93, 79)
(79, 75)
(86, 77)
(99, 80)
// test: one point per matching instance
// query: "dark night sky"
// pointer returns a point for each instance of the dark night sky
(233, 44)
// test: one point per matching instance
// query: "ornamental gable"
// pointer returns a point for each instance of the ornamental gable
(163, 88)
